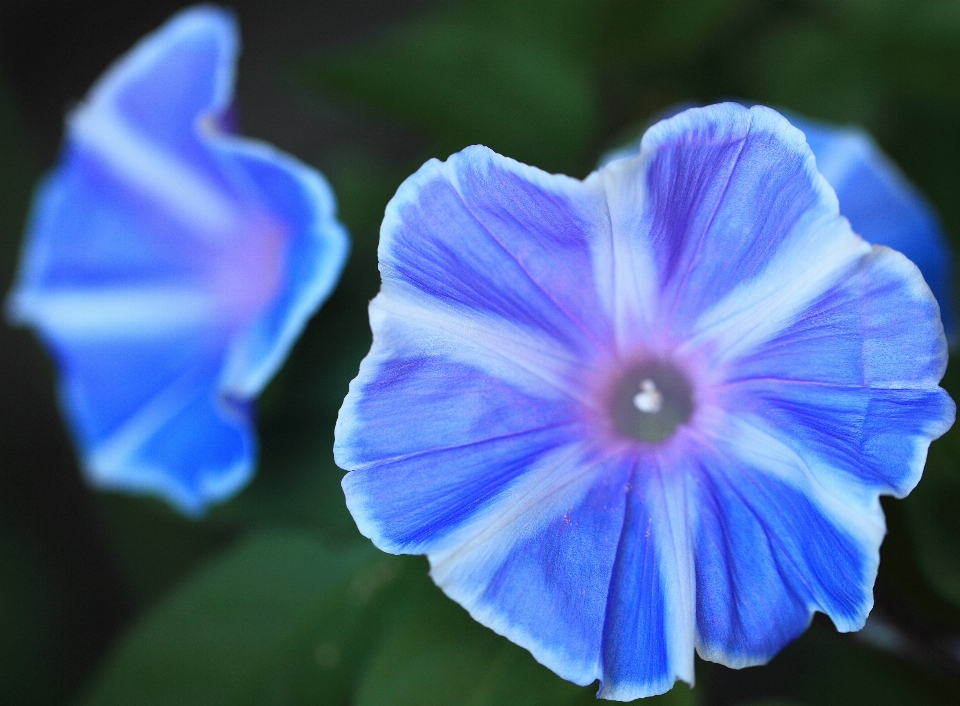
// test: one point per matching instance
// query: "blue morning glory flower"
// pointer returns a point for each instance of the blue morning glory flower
(647, 413)
(170, 266)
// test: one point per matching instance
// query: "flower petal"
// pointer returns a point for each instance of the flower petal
(867, 404)
(491, 235)
(312, 256)
(773, 546)
(535, 565)
(170, 267)
(169, 82)
(438, 473)
(727, 184)
(152, 409)
(442, 330)
(648, 632)
(90, 231)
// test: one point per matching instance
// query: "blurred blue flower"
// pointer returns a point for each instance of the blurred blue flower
(170, 267)
(644, 413)
(881, 204)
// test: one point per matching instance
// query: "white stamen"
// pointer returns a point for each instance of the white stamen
(649, 398)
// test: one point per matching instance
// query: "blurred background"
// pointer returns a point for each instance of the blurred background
(274, 598)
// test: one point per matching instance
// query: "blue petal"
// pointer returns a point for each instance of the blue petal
(411, 486)
(485, 233)
(882, 205)
(315, 253)
(90, 230)
(772, 547)
(476, 430)
(522, 526)
(536, 566)
(169, 83)
(724, 184)
(178, 421)
(868, 404)
(648, 632)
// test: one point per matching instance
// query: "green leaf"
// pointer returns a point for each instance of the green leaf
(280, 618)
(511, 76)
(434, 654)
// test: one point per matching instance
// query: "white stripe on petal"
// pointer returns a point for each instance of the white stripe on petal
(677, 570)
(521, 511)
(465, 562)
(622, 260)
(409, 322)
(109, 462)
(846, 502)
(117, 313)
(199, 205)
(758, 309)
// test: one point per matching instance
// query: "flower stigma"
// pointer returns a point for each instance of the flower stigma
(649, 398)
(650, 401)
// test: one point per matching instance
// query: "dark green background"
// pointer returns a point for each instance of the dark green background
(274, 598)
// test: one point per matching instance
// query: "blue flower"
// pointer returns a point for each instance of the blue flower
(170, 266)
(646, 413)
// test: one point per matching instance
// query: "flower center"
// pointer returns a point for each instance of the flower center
(650, 401)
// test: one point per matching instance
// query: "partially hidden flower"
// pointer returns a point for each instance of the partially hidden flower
(881, 204)
(647, 413)
(170, 266)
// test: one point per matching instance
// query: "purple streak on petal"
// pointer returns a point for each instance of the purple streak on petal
(881, 322)
(409, 388)
(408, 487)
(648, 632)
(726, 184)
(878, 436)
(882, 205)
